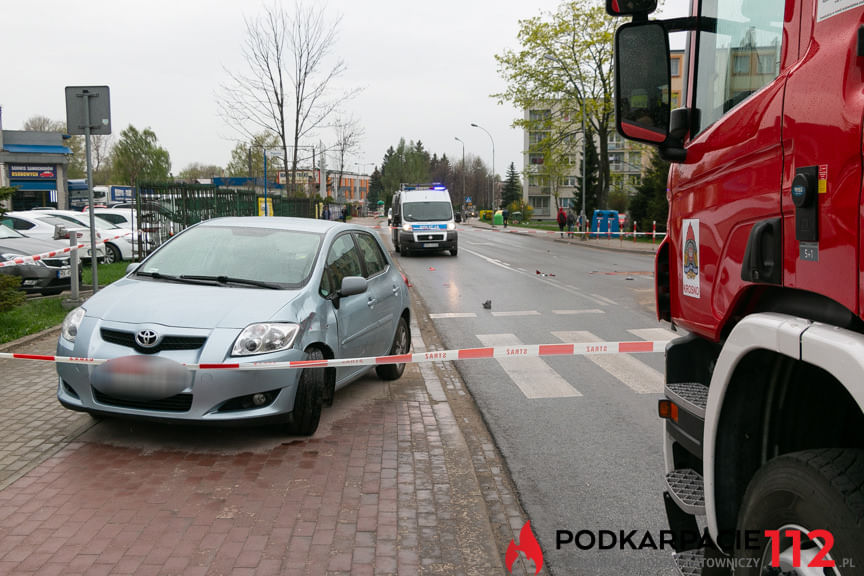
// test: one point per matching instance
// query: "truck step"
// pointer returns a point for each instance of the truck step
(690, 563)
(687, 489)
(692, 396)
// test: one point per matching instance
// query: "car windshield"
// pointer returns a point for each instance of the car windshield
(6, 232)
(427, 211)
(281, 257)
(101, 223)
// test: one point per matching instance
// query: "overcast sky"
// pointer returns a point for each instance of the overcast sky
(426, 69)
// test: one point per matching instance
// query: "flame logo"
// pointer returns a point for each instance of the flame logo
(528, 545)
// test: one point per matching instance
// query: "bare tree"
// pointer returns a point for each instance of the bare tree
(286, 86)
(348, 136)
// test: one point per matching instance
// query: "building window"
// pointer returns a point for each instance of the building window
(570, 181)
(675, 66)
(535, 159)
(539, 115)
(741, 64)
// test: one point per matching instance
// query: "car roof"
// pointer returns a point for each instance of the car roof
(280, 222)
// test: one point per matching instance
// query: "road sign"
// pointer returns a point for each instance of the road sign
(88, 105)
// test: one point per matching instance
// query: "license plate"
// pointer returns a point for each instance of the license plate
(65, 273)
(430, 245)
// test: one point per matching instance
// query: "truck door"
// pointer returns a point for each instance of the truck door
(822, 132)
(733, 174)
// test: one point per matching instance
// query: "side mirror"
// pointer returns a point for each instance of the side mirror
(642, 82)
(352, 285)
(630, 7)
(132, 267)
(60, 232)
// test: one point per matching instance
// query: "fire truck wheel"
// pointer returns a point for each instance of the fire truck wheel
(805, 491)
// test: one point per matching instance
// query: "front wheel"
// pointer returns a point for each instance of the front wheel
(796, 494)
(401, 345)
(309, 398)
(454, 251)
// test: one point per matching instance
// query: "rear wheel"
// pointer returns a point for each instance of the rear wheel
(802, 492)
(309, 398)
(112, 254)
(401, 345)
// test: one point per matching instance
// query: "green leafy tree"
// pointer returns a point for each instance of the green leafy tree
(137, 157)
(512, 190)
(650, 203)
(407, 163)
(565, 63)
(247, 159)
(197, 171)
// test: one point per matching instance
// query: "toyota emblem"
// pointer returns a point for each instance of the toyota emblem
(146, 338)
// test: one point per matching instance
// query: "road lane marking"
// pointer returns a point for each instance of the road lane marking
(533, 376)
(604, 299)
(654, 334)
(572, 312)
(517, 313)
(453, 315)
(637, 375)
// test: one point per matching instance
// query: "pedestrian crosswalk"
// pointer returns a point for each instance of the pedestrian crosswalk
(537, 379)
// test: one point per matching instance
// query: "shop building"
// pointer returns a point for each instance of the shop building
(36, 164)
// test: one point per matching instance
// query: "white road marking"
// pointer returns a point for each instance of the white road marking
(453, 315)
(604, 299)
(517, 313)
(654, 334)
(637, 375)
(572, 312)
(533, 376)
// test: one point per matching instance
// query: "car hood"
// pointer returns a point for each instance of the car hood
(188, 305)
(30, 246)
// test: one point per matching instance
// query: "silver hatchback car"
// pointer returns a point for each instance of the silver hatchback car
(237, 291)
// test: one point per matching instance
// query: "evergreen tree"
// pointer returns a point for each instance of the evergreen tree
(650, 204)
(376, 187)
(512, 190)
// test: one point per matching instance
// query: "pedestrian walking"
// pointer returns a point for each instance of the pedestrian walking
(562, 221)
(344, 217)
(325, 214)
(505, 215)
(571, 222)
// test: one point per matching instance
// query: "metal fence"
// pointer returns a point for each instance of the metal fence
(164, 209)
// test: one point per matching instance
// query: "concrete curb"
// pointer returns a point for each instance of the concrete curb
(29, 338)
(586, 244)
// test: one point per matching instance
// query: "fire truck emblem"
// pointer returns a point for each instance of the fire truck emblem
(690, 258)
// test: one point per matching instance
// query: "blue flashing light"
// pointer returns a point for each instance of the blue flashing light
(439, 188)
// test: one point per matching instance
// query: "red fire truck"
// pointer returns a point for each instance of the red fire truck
(763, 269)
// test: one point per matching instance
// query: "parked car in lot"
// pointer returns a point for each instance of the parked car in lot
(116, 249)
(46, 225)
(238, 291)
(48, 275)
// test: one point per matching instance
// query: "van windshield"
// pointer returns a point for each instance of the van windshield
(426, 211)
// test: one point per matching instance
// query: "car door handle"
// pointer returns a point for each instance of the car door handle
(395, 290)
(371, 302)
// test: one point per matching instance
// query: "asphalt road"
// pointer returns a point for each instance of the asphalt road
(580, 435)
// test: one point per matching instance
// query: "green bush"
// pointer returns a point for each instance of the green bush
(10, 294)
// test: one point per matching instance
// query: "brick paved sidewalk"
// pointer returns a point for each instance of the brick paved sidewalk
(390, 485)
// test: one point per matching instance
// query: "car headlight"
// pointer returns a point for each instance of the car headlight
(265, 337)
(69, 329)
(451, 226)
(406, 227)
(8, 256)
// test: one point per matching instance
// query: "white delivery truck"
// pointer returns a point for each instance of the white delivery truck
(423, 219)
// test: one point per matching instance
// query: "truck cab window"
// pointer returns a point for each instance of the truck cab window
(740, 57)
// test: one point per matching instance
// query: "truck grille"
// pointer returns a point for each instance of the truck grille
(429, 237)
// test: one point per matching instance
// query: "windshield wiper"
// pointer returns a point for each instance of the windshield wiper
(171, 278)
(232, 280)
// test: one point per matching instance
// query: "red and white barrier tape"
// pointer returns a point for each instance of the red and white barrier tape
(54, 253)
(525, 351)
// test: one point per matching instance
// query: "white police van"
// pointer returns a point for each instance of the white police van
(423, 219)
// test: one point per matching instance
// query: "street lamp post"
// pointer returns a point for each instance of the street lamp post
(493, 160)
(463, 168)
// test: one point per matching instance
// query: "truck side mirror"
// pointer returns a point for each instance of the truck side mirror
(642, 82)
